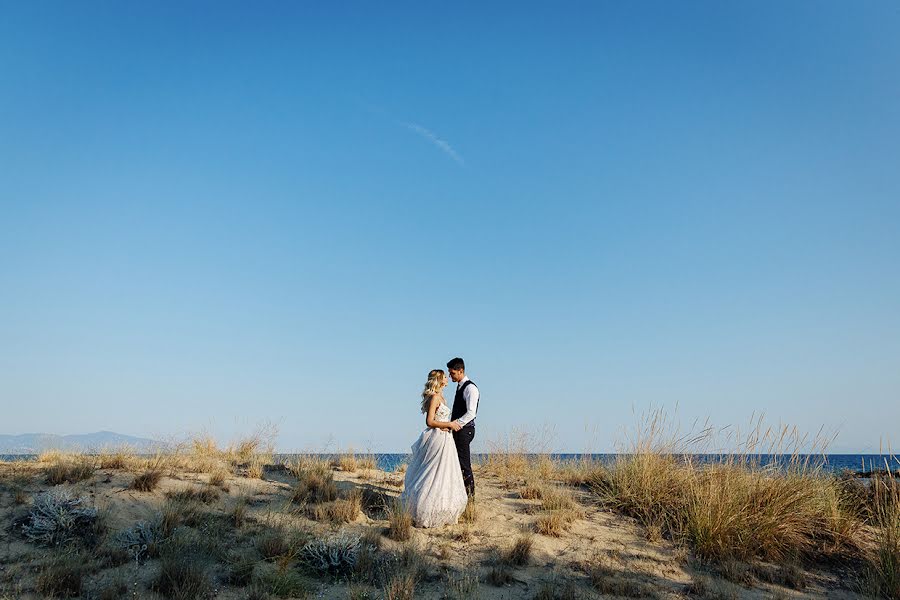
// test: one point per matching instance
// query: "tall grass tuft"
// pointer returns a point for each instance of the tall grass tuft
(882, 575)
(273, 543)
(400, 521)
(400, 587)
(470, 513)
(346, 462)
(146, 481)
(531, 491)
(182, 577)
(315, 482)
(519, 553)
(402, 573)
(734, 509)
(342, 510)
(554, 523)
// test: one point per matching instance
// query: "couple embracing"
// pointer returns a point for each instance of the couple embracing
(439, 477)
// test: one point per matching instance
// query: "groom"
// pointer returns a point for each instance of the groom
(465, 404)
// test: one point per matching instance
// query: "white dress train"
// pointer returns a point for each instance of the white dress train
(433, 489)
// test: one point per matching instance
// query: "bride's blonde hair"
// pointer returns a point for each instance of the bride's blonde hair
(436, 379)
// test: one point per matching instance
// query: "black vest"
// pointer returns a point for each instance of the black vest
(459, 404)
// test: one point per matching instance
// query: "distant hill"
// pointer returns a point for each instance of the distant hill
(34, 443)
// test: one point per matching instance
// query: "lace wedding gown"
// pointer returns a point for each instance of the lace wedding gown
(433, 489)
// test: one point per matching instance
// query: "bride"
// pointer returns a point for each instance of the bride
(433, 491)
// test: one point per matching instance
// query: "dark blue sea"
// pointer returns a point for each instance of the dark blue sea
(836, 463)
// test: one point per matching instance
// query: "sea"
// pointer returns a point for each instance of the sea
(834, 463)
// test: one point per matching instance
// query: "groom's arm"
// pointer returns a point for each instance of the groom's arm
(470, 394)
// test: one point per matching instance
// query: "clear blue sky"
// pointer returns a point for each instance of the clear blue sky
(216, 214)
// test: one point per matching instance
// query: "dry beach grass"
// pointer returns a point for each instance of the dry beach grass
(202, 522)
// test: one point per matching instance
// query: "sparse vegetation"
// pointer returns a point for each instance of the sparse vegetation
(462, 586)
(403, 572)
(203, 455)
(182, 576)
(518, 554)
(273, 543)
(500, 574)
(114, 589)
(368, 558)
(240, 567)
(146, 481)
(315, 483)
(206, 494)
(518, 457)
(558, 511)
(238, 513)
(359, 592)
(464, 534)
(400, 587)
(557, 590)
(554, 524)
(176, 512)
(121, 459)
(703, 586)
(531, 491)
(16, 484)
(346, 462)
(69, 469)
(556, 499)
(342, 510)
(272, 537)
(789, 574)
(282, 582)
(256, 469)
(399, 521)
(63, 576)
(614, 582)
(470, 514)
(373, 502)
(217, 477)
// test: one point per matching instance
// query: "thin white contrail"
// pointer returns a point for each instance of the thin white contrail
(434, 139)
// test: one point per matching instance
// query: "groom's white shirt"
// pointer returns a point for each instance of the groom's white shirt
(470, 395)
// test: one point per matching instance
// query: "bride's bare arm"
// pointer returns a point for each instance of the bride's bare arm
(429, 418)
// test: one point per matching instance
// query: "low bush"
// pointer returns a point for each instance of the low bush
(332, 555)
(57, 518)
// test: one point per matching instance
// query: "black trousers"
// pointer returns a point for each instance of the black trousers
(463, 439)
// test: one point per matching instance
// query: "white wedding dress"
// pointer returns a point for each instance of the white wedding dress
(433, 489)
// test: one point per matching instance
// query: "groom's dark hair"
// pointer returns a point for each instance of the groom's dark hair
(457, 363)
